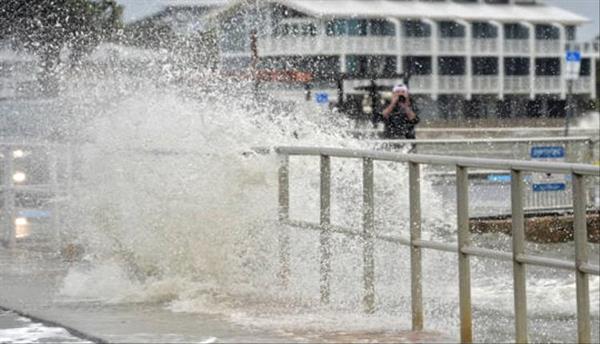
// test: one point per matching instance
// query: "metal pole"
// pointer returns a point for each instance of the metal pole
(9, 198)
(369, 237)
(416, 289)
(53, 173)
(464, 267)
(581, 257)
(325, 234)
(569, 113)
(284, 216)
(518, 247)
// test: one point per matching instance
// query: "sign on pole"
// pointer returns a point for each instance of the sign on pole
(573, 64)
(548, 181)
(322, 98)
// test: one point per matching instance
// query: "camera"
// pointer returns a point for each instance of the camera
(402, 99)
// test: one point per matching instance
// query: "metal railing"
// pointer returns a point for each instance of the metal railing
(463, 248)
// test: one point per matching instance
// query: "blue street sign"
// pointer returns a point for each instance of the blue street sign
(322, 98)
(573, 56)
(552, 152)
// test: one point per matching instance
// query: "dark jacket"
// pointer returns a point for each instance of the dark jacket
(398, 126)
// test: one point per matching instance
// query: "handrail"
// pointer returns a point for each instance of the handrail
(499, 164)
(463, 247)
(488, 140)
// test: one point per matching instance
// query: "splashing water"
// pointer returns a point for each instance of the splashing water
(173, 204)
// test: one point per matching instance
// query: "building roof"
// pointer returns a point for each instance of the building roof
(535, 13)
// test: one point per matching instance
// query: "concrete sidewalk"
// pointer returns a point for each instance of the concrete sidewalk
(29, 284)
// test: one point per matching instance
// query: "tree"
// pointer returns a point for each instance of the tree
(45, 27)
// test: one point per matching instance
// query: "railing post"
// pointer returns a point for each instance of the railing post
(518, 248)
(369, 237)
(53, 174)
(416, 289)
(581, 257)
(284, 207)
(325, 234)
(464, 268)
(9, 198)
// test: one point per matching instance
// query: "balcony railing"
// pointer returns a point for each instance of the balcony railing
(485, 84)
(416, 45)
(547, 84)
(548, 46)
(516, 46)
(452, 83)
(302, 45)
(485, 46)
(582, 85)
(421, 83)
(516, 84)
(452, 45)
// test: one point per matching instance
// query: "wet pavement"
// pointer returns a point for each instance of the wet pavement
(30, 279)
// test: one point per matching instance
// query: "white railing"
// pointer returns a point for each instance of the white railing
(519, 258)
(516, 46)
(452, 83)
(516, 84)
(582, 85)
(452, 45)
(548, 46)
(322, 44)
(416, 45)
(485, 84)
(547, 84)
(485, 46)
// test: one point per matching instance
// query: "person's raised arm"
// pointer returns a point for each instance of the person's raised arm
(410, 113)
(388, 110)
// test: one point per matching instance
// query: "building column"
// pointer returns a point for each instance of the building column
(468, 58)
(593, 61)
(399, 52)
(500, 42)
(532, 54)
(563, 61)
(434, 57)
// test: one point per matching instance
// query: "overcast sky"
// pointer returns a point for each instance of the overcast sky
(587, 8)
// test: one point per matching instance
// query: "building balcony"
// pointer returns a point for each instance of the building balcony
(452, 46)
(516, 46)
(485, 46)
(547, 84)
(452, 83)
(485, 84)
(516, 84)
(548, 46)
(582, 85)
(318, 45)
(416, 45)
(420, 84)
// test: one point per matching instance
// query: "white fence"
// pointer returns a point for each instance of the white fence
(581, 265)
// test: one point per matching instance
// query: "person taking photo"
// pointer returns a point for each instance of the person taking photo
(400, 116)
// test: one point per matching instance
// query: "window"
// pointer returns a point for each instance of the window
(546, 32)
(337, 27)
(451, 65)
(547, 66)
(484, 30)
(586, 67)
(379, 27)
(516, 66)
(515, 31)
(357, 27)
(371, 66)
(485, 66)
(497, 2)
(416, 28)
(571, 32)
(417, 65)
(450, 29)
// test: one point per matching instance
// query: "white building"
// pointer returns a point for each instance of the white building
(466, 52)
